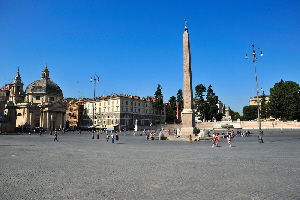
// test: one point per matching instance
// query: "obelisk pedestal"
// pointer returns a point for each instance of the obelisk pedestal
(188, 115)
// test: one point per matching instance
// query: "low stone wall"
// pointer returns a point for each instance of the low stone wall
(236, 124)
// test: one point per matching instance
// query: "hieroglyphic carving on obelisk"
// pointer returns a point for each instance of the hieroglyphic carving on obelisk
(188, 116)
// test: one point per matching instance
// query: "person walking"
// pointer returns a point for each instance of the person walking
(229, 140)
(107, 137)
(213, 140)
(112, 138)
(117, 138)
(217, 139)
(55, 136)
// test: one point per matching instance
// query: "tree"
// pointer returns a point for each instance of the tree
(171, 113)
(284, 100)
(159, 100)
(250, 112)
(264, 107)
(200, 104)
(179, 99)
(212, 101)
(236, 115)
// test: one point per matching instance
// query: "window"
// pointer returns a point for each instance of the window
(51, 99)
(38, 98)
(126, 102)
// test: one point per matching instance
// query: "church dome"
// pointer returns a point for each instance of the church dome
(44, 85)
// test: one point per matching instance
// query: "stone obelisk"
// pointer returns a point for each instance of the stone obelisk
(188, 116)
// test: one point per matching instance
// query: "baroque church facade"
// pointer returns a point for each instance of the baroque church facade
(41, 105)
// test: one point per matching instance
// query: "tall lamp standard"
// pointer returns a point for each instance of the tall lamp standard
(256, 80)
(96, 79)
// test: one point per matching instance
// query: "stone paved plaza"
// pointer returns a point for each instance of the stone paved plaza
(77, 167)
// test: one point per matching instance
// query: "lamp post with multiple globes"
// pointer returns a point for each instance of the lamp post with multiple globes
(94, 79)
(254, 56)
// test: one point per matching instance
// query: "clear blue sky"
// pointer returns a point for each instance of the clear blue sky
(135, 45)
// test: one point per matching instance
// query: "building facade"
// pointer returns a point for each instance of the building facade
(122, 112)
(74, 114)
(40, 105)
(256, 101)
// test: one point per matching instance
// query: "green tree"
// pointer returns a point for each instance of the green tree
(171, 113)
(179, 99)
(236, 115)
(201, 106)
(212, 101)
(264, 107)
(250, 112)
(159, 100)
(284, 100)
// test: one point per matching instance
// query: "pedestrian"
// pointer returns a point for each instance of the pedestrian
(217, 139)
(229, 140)
(213, 140)
(117, 138)
(112, 138)
(55, 136)
(107, 137)
(190, 138)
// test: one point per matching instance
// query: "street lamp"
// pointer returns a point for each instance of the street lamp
(254, 56)
(96, 79)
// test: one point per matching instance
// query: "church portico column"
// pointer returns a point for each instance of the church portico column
(47, 120)
(41, 119)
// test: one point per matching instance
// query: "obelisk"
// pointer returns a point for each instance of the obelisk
(188, 116)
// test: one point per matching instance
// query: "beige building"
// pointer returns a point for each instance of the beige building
(121, 112)
(40, 105)
(253, 101)
(74, 114)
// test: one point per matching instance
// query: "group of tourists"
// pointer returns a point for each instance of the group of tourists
(216, 139)
(113, 138)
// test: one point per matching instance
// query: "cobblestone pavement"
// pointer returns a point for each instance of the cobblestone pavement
(78, 167)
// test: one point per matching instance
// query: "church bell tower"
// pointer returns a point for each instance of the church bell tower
(16, 90)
